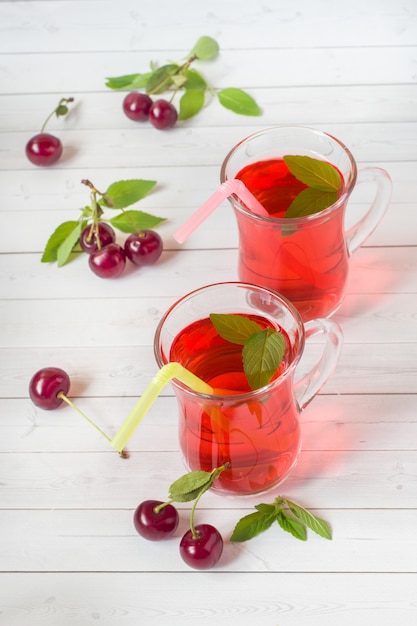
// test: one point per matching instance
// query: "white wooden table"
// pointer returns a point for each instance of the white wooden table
(69, 554)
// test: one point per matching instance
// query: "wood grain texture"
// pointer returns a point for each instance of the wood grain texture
(69, 554)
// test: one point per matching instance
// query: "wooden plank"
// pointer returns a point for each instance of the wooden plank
(364, 541)
(283, 598)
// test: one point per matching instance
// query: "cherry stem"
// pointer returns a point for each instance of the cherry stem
(56, 111)
(215, 473)
(179, 70)
(96, 211)
(73, 406)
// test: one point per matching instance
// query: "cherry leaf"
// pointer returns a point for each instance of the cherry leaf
(65, 249)
(262, 354)
(191, 103)
(161, 79)
(134, 221)
(129, 81)
(310, 201)
(205, 49)
(194, 80)
(123, 193)
(234, 328)
(61, 234)
(238, 101)
(314, 172)
(189, 486)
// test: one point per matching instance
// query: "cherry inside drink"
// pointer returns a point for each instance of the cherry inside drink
(305, 259)
(256, 432)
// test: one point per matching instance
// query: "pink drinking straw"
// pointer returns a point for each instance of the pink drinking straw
(225, 190)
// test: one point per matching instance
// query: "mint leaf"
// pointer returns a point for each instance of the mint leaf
(310, 201)
(129, 81)
(292, 526)
(191, 103)
(234, 328)
(134, 221)
(262, 354)
(253, 524)
(314, 172)
(161, 79)
(58, 238)
(123, 193)
(316, 524)
(238, 101)
(205, 49)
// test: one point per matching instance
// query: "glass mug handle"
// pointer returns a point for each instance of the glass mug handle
(359, 232)
(310, 384)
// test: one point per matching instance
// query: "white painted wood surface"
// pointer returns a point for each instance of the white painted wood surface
(68, 552)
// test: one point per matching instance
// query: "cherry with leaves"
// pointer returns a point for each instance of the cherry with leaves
(95, 235)
(179, 78)
(45, 149)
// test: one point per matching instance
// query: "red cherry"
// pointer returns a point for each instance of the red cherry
(136, 106)
(143, 248)
(45, 386)
(108, 262)
(88, 237)
(204, 551)
(155, 525)
(162, 114)
(43, 149)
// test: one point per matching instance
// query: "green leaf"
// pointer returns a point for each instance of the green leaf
(129, 81)
(123, 193)
(58, 238)
(67, 246)
(252, 525)
(316, 524)
(292, 526)
(194, 80)
(310, 201)
(191, 103)
(234, 328)
(189, 486)
(205, 49)
(238, 101)
(134, 221)
(161, 79)
(314, 172)
(262, 354)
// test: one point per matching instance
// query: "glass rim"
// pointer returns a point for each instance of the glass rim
(247, 395)
(239, 206)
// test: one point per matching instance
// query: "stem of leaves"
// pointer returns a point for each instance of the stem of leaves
(60, 110)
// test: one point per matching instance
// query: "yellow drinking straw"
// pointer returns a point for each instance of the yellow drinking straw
(142, 406)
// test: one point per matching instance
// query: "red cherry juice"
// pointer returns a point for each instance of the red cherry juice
(305, 261)
(258, 433)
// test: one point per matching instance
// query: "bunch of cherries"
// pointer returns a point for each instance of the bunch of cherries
(140, 107)
(107, 259)
(201, 546)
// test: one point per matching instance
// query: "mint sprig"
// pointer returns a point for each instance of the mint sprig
(64, 241)
(323, 185)
(263, 348)
(290, 516)
(180, 78)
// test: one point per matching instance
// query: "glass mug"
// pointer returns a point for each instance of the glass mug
(257, 432)
(304, 258)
